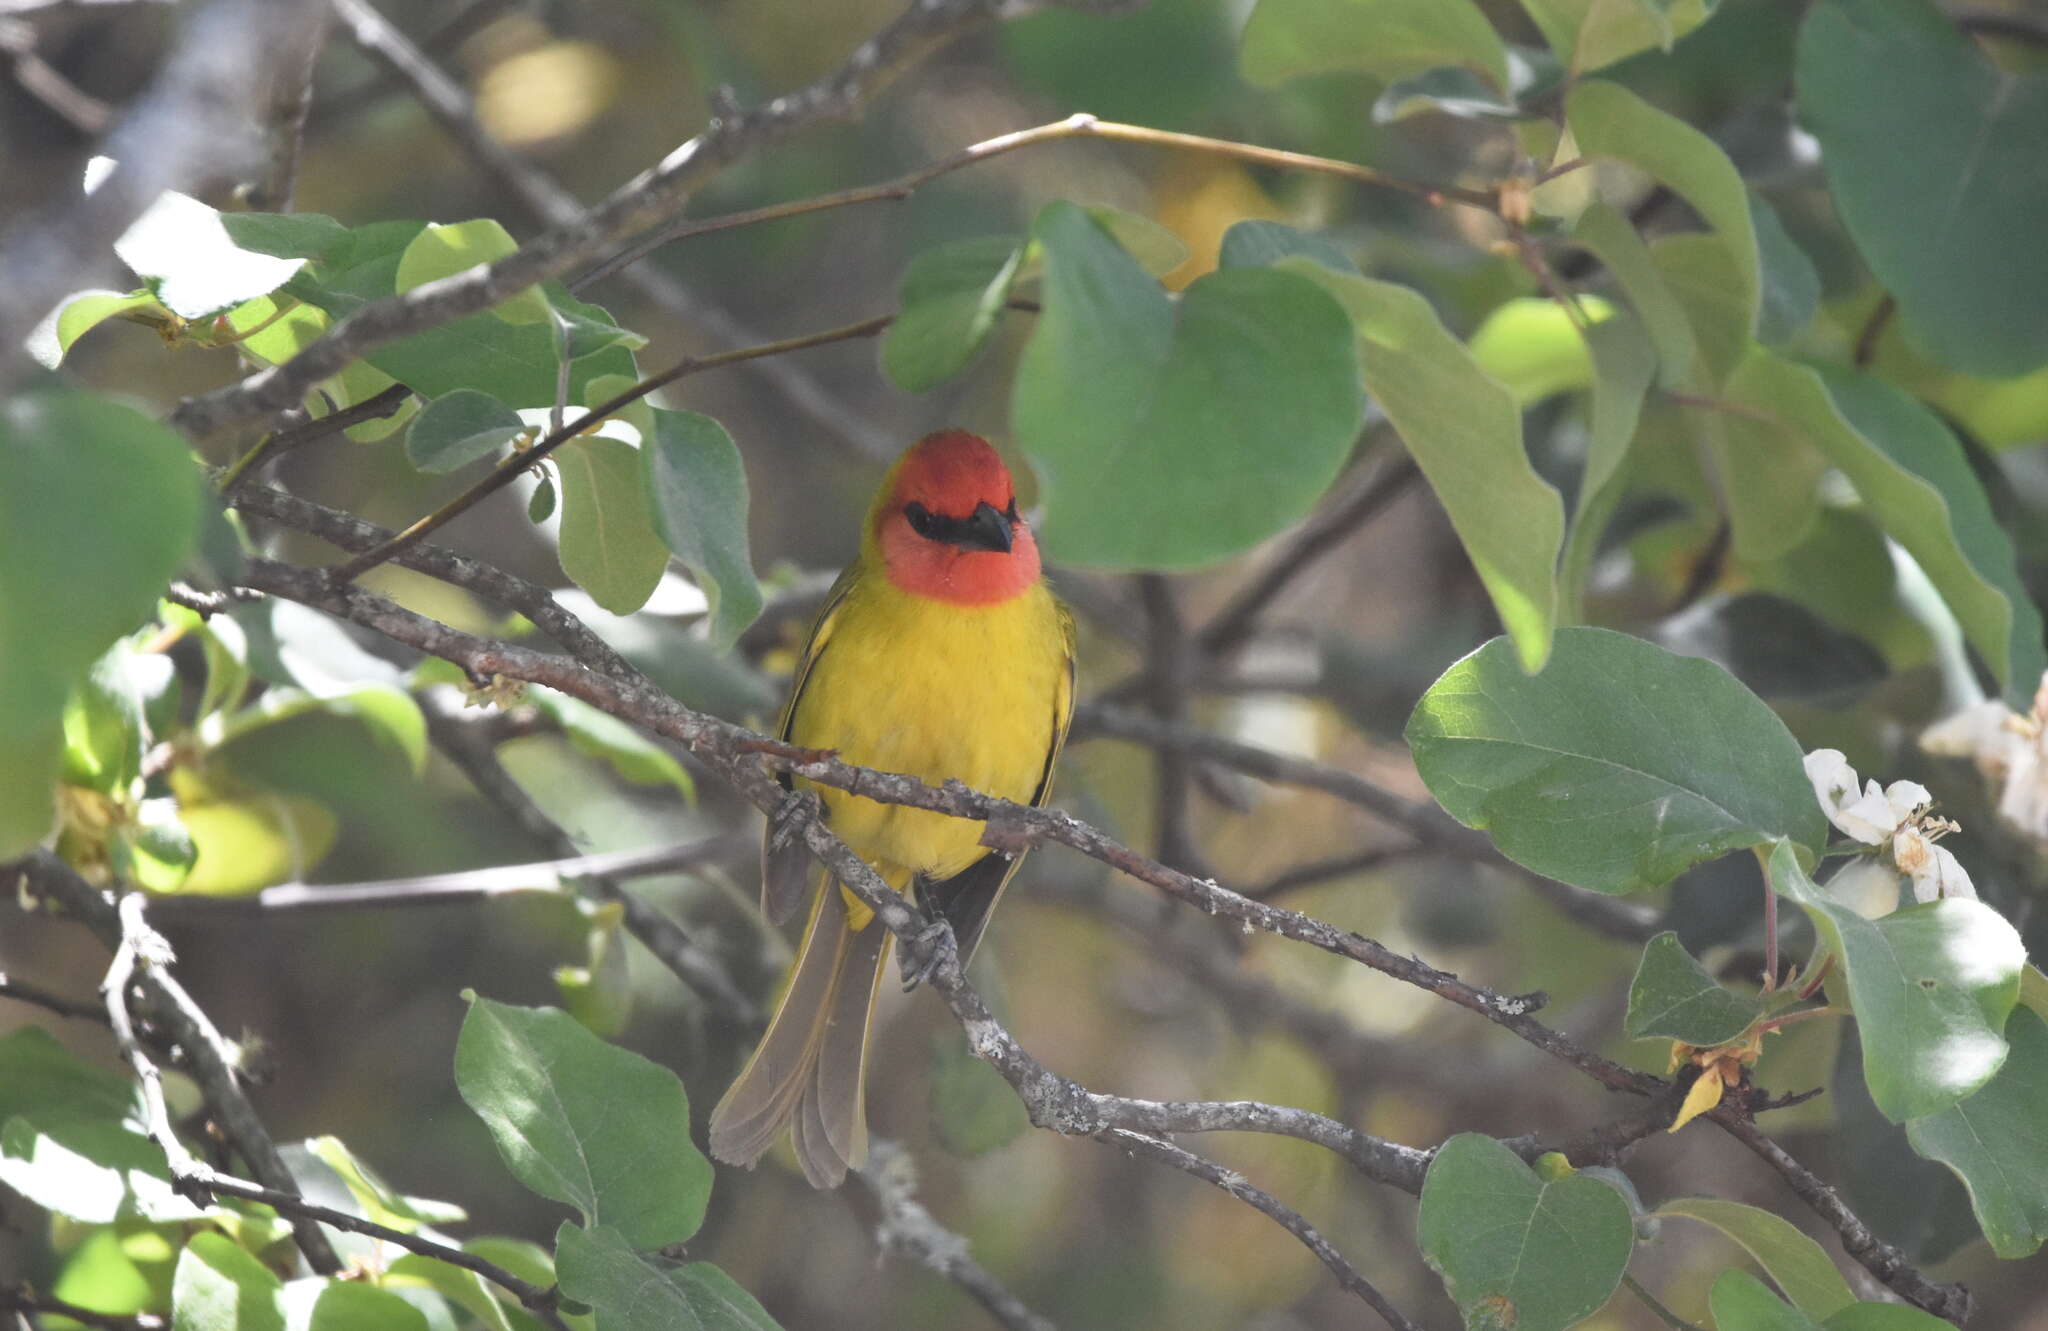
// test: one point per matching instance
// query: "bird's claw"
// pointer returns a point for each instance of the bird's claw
(921, 955)
(796, 809)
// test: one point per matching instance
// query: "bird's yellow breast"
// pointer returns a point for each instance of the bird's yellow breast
(906, 683)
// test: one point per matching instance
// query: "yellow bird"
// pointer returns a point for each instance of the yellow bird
(940, 652)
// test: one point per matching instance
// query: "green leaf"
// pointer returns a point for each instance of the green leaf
(1590, 34)
(1169, 435)
(443, 251)
(1624, 366)
(1391, 39)
(584, 1123)
(1933, 161)
(1158, 249)
(457, 428)
(1931, 986)
(1997, 1142)
(1517, 1251)
(1610, 236)
(286, 235)
(101, 506)
(1465, 432)
(697, 488)
(609, 546)
(1800, 1266)
(599, 993)
(1770, 477)
(1532, 347)
(38, 1075)
(974, 1111)
(1912, 474)
(348, 1305)
(92, 1169)
(387, 711)
(541, 506)
(1791, 286)
(82, 312)
(1617, 768)
(1674, 998)
(219, 1287)
(1451, 91)
(104, 730)
(1741, 1302)
(182, 250)
(637, 1291)
(1611, 122)
(631, 754)
(381, 1202)
(155, 852)
(951, 298)
(1255, 242)
(459, 1285)
(244, 845)
(2034, 990)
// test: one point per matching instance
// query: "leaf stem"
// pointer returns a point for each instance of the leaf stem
(1650, 1301)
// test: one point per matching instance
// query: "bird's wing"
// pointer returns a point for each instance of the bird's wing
(786, 871)
(969, 897)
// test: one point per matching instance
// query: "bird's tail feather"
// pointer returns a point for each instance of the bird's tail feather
(809, 1073)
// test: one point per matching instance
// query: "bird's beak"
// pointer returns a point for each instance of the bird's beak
(986, 529)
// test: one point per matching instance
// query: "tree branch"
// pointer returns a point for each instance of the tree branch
(907, 1229)
(1165, 1152)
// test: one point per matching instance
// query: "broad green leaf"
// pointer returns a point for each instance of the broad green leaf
(385, 710)
(1623, 367)
(459, 1285)
(1674, 998)
(1790, 285)
(286, 235)
(1513, 1249)
(609, 546)
(1617, 768)
(1931, 986)
(120, 1274)
(1705, 275)
(638, 1291)
(1170, 435)
(1532, 347)
(1611, 122)
(81, 313)
(1801, 1267)
(540, 506)
(636, 413)
(92, 1169)
(1770, 476)
(1602, 229)
(1255, 242)
(156, 851)
(1590, 34)
(1158, 249)
(347, 1305)
(974, 1111)
(1997, 1141)
(249, 843)
(1741, 1302)
(951, 299)
(1911, 473)
(221, 1288)
(631, 754)
(181, 249)
(101, 506)
(457, 428)
(1465, 432)
(697, 489)
(599, 993)
(442, 251)
(2034, 990)
(1390, 39)
(583, 1122)
(1933, 161)
(104, 730)
(379, 1200)
(39, 1075)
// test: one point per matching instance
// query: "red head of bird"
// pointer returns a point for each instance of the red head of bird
(946, 524)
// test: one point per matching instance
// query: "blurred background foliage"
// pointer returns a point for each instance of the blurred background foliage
(355, 1014)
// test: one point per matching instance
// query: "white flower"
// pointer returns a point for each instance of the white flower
(1867, 817)
(1935, 872)
(2007, 748)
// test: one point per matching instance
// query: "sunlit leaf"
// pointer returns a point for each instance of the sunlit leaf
(1997, 1141)
(1392, 39)
(443, 251)
(221, 1288)
(1590, 34)
(1800, 1266)
(638, 1291)
(952, 297)
(609, 545)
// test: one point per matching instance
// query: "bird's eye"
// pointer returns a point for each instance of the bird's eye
(921, 521)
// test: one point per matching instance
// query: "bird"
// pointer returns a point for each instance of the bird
(939, 652)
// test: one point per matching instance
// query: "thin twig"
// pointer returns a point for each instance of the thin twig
(210, 1058)
(290, 71)
(1289, 1219)
(907, 1229)
(24, 1301)
(21, 991)
(1656, 1306)
(40, 79)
